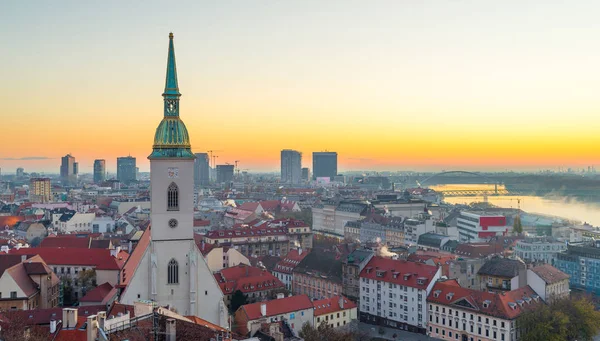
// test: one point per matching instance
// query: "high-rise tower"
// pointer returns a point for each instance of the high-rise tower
(291, 166)
(176, 273)
(99, 171)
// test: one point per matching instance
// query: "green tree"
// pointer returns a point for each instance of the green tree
(323, 332)
(86, 280)
(35, 242)
(567, 319)
(238, 299)
(517, 226)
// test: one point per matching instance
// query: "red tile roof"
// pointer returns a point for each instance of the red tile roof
(506, 305)
(43, 316)
(332, 305)
(278, 307)
(291, 260)
(549, 274)
(204, 247)
(98, 294)
(200, 222)
(246, 279)
(134, 259)
(99, 258)
(202, 322)
(416, 275)
(249, 206)
(61, 241)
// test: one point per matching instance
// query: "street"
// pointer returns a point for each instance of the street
(388, 334)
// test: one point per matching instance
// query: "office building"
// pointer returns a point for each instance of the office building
(20, 172)
(126, 169)
(582, 264)
(305, 174)
(324, 165)
(99, 171)
(475, 227)
(291, 166)
(201, 169)
(40, 190)
(224, 173)
(68, 170)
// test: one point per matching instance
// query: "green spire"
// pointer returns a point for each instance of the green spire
(171, 86)
(171, 139)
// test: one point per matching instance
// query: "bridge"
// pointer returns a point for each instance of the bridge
(459, 172)
(481, 179)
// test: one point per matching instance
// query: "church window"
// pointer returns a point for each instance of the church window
(173, 272)
(173, 197)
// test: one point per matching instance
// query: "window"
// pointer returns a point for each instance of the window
(173, 272)
(292, 316)
(173, 197)
(13, 294)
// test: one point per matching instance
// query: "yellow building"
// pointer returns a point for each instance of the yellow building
(40, 190)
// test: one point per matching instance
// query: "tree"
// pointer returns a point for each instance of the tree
(238, 299)
(35, 242)
(86, 280)
(517, 226)
(567, 319)
(15, 327)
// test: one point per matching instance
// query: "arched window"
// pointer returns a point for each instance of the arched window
(173, 197)
(173, 272)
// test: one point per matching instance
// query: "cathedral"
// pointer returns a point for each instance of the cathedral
(171, 270)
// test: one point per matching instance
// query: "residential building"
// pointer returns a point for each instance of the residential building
(582, 264)
(294, 311)
(40, 190)
(336, 311)
(31, 230)
(324, 165)
(99, 171)
(331, 217)
(432, 241)
(318, 275)
(236, 216)
(352, 265)
(464, 271)
(539, 249)
(388, 230)
(457, 313)
(103, 224)
(219, 257)
(474, 227)
(291, 166)
(257, 284)
(285, 268)
(75, 222)
(548, 282)
(68, 170)
(261, 238)
(169, 269)
(27, 283)
(126, 169)
(502, 274)
(394, 293)
(224, 173)
(201, 169)
(305, 174)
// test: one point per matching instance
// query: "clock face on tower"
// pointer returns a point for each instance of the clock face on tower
(173, 172)
(173, 223)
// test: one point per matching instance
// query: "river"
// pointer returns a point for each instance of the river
(564, 207)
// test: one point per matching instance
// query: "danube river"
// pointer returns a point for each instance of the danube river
(569, 208)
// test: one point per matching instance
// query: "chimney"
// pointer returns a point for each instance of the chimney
(92, 328)
(69, 320)
(299, 251)
(52, 326)
(263, 309)
(23, 258)
(171, 331)
(280, 295)
(341, 301)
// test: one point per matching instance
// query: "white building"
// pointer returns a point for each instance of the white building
(103, 224)
(69, 222)
(171, 270)
(476, 227)
(548, 282)
(394, 293)
(331, 217)
(336, 311)
(541, 249)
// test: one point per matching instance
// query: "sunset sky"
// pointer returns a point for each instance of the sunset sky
(389, 85)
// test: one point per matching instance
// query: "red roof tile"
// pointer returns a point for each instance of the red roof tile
(98, 294)
(549, 274)
(291, 260)
(249, 206)
(332, 305)
(246, 279)
(99, 258)
(278, 307)
(506, 305)
(61, 241)
(134, 259)
(416, 275)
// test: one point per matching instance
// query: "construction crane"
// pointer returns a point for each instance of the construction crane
(211, 156)
(237, 170)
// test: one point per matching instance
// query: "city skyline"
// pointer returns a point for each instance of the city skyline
(401, 87)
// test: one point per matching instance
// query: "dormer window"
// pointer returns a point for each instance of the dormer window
(380, 273)
(437, 293)
(486, 303)
(449, 296)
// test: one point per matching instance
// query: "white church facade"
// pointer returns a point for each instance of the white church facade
(172, 270)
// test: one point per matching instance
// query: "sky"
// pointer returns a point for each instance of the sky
(389, 85)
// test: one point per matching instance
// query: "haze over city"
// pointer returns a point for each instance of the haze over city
(400, 85)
